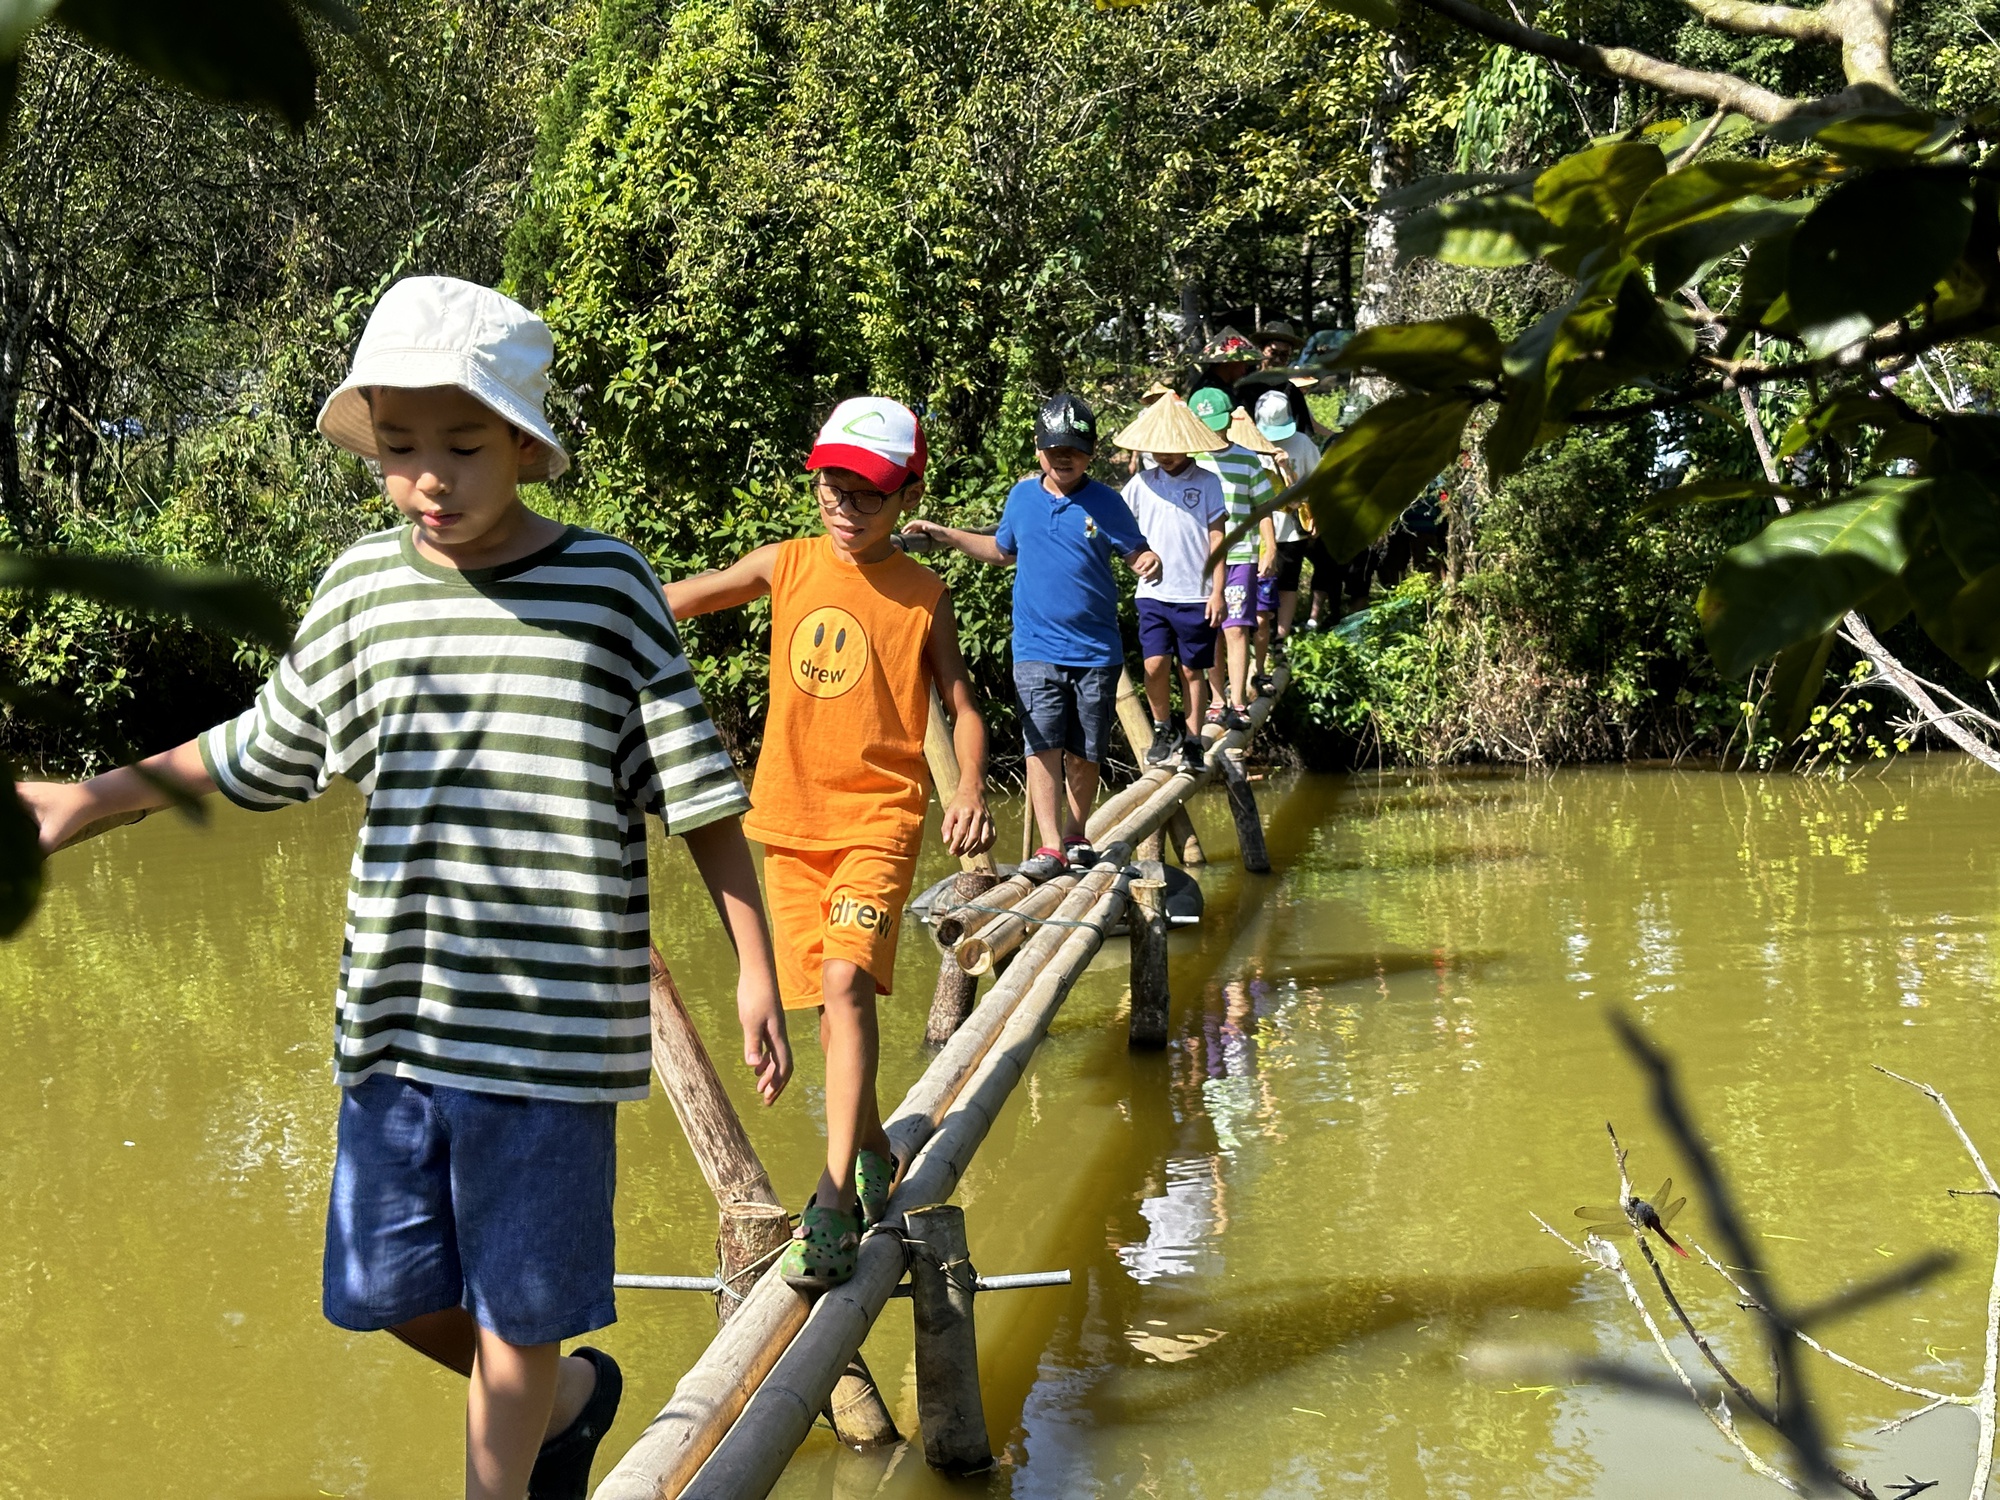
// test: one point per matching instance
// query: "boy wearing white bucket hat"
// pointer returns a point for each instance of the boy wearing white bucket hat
(511, 699)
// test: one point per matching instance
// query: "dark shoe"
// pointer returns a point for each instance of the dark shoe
(1163, 745)
(1233, 718)
(1194, 754)
(1078, 854)
(1264, 684)
(1046, 865)
(562, 1468)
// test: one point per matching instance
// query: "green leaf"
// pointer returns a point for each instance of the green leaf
(210, 600)
(20, 860)
(1380, 13)
(1967, 513)
(1796, 678)
(1503, 230)
(250, 52)
(17, 19)
(1687, 255)
(1425, 356)
(1888, 138)
(1518, 427)
(1694, 193)
(1428, 190)
(1718, 490)
(1873, 249)
(1588, 196)
(1373, 470)
(1800, 574)
(1837, 413)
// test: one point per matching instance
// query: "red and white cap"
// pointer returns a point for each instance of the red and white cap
(879, 439)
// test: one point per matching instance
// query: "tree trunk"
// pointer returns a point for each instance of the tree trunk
(1388, 169)
(1343, 313)
(16, 311)
(1305, 286)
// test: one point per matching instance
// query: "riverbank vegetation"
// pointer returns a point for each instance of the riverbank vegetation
(734, 214)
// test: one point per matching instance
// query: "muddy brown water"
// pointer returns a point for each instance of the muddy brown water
(1293, 1233)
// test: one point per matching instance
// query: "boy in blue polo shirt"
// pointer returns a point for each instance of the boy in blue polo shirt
(1059, 531)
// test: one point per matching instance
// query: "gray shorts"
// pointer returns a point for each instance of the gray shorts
(1066, 708)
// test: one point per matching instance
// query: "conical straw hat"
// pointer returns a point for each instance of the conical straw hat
(1243, 432)
(1154, 391)
(1167, 426)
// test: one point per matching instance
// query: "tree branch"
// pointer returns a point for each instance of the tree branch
(1721, 89)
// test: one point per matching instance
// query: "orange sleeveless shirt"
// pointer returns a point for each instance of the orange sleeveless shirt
(842, 763)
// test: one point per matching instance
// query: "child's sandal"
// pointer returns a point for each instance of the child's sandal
(874, 1175)
(823, 1248)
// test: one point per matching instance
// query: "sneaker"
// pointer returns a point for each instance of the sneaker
(562, 1468)
(1163, 745)
(1214, 714)
(823, 1248)
(1233, 717)
(873, 1176)
(1264, 684)
(1078, 854)
(1194, 754)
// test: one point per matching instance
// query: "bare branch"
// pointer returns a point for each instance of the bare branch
(1860, 28)
(1722, 89)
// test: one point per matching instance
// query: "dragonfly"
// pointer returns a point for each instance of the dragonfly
(1653, 1214)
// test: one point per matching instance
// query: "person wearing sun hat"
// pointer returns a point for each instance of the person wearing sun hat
(1246, 484)
(1275, 420)
(1180, 510)
(1278, 342)
(860, 633)
(510, 698)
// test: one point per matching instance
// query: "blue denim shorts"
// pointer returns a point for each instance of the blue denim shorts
(1066, 708)
(446, 1198)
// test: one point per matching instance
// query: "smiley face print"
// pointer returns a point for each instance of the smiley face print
(828, 653)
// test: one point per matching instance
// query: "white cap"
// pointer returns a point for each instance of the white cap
(879, 439)
(1274, 416)
(436, 330)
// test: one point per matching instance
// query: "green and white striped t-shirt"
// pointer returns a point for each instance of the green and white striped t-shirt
(1246, 484)
(510, 727)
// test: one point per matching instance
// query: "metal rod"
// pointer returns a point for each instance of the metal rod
(1022, 1281)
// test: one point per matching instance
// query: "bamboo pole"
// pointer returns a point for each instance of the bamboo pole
(950, 1414)
(753, 1223)
(1147, 923)
(753, 1454)
(980, 952)
(957, 986)
(1249, 828)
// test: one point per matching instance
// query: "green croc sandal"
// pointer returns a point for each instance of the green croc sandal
(873, 1176)
(822, 1250)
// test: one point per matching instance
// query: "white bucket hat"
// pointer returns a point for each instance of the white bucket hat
(437, 330)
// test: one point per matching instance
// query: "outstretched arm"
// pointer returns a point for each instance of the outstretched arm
(977, 545)
(68, 810)
(723, 858)
(749, 577)
(968, 825)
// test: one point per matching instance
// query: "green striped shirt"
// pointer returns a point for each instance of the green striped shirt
(1246, 484)
(510, 727)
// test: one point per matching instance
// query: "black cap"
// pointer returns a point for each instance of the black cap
(1066, 421)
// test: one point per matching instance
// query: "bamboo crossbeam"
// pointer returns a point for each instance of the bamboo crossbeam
(985, 948)
(753, 1455)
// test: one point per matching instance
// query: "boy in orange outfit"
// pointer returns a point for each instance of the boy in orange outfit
(859, 633)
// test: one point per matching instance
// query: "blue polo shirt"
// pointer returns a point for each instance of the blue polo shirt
(1065, 595)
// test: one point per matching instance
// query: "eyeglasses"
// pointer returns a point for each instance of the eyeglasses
(861, 502)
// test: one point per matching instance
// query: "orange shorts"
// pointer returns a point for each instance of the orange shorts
(835, 903)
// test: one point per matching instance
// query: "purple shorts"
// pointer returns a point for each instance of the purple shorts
(1239, 596)
(1267, 595)
(1168, 629)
